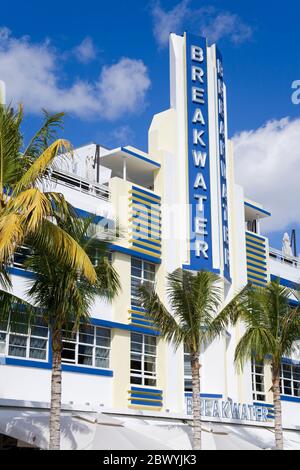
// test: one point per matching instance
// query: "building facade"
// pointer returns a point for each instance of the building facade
(178, 206)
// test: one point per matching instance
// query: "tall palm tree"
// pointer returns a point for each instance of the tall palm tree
(194, 300)
(26, 211)
(65, 296)
(272, 325)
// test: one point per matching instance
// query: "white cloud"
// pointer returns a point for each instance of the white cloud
(267, 163)
(33, 75)
(207, 20)
(86, 51)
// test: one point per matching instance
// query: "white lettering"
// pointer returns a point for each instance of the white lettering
(201, 248)
(199, 158)
(197, 54)
(198, 95)
(198, 117)
(200, 205)
(197, 138)
(200, 226)
(200, 182)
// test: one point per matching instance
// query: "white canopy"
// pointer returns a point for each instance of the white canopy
(103, 431)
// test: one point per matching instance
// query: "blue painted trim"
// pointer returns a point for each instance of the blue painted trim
(21, 272)
(156, 204)
(147, 193)
(256, 248)
(205, 395)
(255, 252)
(255, 235)
(251, 273)
(146, 248)
(290, 399)
(149, 216)
(138, 309)
(150, 206)
(139, 232)
(146, 403)
(156, 244)
(124, 326)
(9, 361)
(86, 370)
(259, 260)
(148, 160)
(144, 395)
(286, 360)
(148, 220)
(85, 215)
(263, 211)
(148, 227)
(149, 390)
(135, 254)
(256, 266)
(285, 282)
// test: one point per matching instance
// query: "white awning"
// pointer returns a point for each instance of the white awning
(106, 431)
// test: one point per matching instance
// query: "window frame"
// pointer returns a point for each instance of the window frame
(28, 335)
(141, 280)
(143, 375)
(78, 342)
(291, 380)
(254, 383)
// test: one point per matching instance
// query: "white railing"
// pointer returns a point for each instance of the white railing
(80, 184)
(288, 260)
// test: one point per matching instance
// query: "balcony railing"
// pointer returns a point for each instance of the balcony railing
(80, 184)
(288, 260)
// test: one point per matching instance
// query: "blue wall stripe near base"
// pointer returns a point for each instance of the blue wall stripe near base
(135, 254)
(146, 403)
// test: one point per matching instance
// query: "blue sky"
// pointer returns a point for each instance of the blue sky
(73, 49)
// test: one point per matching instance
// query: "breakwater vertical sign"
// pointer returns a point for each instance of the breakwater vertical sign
(198, 158)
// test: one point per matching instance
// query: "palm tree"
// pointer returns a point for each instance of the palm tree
(194, 301)
(272, 325)
(26, 211)
(65, 296)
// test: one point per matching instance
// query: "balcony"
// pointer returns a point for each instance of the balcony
(97, 190)
(278, 256)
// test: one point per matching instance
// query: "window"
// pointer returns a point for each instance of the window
(141, 272)
(89, 346)
(187, 372)
(143, 360)
(290, 380)
(22, 338)
(258, 382)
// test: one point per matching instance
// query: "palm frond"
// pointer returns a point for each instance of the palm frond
(11, 235)
(60, 244)
(42, 164)
(257, 343)
(45, 135)
(33, 205)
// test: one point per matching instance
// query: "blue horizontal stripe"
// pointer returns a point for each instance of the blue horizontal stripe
(258, 209)
(148, 214)
(138, 309)
(147, 234)
(148, 227)
(260, 266)
(137, 321)
(152, 207)
(146, 240)
(145, 198)
(256, 274)
(254, 252)
(21, 272)
(146, 403)
(146, 248)
(257, 248)
(260, 260)
(205, 395)
(86, 370)
(135, 254)
(254, 235)
(147, 193)
(148, 220)
(148, 160)
(149, 390)
(284, 282)
(144, 395)
(85, 215)
(290, 399)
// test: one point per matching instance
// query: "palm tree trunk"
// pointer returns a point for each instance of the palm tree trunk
(195, 364)
(54, 425)
(277, 407)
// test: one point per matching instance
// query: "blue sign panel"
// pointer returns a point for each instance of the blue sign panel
(198, 154)
(222, 159)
